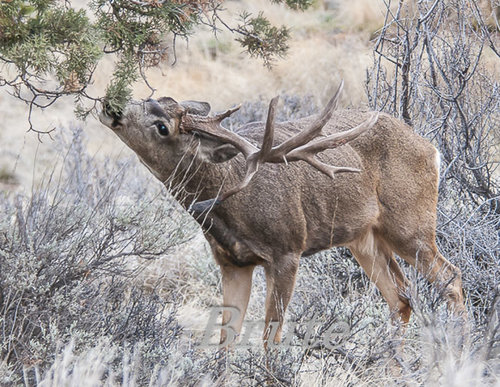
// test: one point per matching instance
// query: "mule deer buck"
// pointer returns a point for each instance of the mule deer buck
(373, 189)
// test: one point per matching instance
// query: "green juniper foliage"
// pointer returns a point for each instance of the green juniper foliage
(42, 38)
(261, 38)
(54, 48)
(118, 91)
(131, 29)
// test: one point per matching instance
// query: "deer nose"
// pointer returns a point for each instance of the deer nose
(107, 110)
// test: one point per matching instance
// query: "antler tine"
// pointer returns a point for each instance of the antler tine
(334, 140)
(267, 142)
(253, 161)
(219, 117)
(309, 134)
(308, 152)
(205, 205)
(327, 169)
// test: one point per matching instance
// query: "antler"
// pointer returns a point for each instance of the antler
(298, 147)
(212, 126)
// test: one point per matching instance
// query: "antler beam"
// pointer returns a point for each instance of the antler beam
(212, 126)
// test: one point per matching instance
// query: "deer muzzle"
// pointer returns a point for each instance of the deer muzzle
(109, 118)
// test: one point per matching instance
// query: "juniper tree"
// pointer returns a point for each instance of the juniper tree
(51, 49)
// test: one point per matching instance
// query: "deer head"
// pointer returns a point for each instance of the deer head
(153, 130)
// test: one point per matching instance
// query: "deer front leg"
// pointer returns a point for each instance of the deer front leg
(280, 279)
(237, 269)
(236, 288)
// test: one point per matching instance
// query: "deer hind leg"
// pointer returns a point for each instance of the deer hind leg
(280, 281)
(377, 260)
(423, 253)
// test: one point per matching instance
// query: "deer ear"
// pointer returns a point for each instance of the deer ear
(171, 106)
(167, 101)
(196, 107)
(223, 153)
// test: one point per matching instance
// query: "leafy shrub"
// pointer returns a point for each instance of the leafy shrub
(69, 253)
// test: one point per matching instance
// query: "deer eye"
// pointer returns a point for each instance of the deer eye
(162, 128)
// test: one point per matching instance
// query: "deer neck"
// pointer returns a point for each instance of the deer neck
(194, 179)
